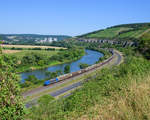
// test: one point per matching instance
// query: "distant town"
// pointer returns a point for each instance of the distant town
(48, 39)
(31, 38)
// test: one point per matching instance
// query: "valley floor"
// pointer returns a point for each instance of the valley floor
(117, 93)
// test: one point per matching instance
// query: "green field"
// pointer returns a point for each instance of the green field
(22, 53)
(109, 33)
(133, 34)
(120, 32)
(43, 53)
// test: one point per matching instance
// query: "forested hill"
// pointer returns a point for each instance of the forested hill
(120, 32)
(31, 38)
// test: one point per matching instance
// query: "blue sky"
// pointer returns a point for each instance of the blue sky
(69, 17)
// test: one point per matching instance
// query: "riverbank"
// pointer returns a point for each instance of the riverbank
(37, 92)
(32, 68)
(90, 58)
(30, 60)
(103, 91)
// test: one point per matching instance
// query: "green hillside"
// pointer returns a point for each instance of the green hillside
(131, 31)
(112, 93)
(119, 95)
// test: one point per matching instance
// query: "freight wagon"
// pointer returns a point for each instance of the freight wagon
(69, 75)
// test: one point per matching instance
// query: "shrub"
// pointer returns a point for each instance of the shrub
(11, 106)
(67, 69)
(83, 65)
(45, 99)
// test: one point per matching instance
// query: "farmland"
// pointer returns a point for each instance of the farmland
(29, 46)
(110, 33)
(21, 53)
(11, 51)
(120, 32)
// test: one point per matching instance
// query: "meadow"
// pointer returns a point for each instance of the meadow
(120, 32)
(21, 53)
(109, 33)
(29, 46)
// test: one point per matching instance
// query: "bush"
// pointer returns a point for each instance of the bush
(67, 69)
(11, 106)
(97, 89)
(45, 99)
(36, 48)
(50, 49)
(144, 45)
(32, 79)
(25, 84)
(83, 65)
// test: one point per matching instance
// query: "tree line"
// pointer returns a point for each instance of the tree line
(38, 59)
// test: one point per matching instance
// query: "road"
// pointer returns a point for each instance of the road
(115, 61)
(119, 58)
(63, 90)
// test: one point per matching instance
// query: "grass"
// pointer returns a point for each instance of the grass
(106, 95)
(109, 33)
(44, 58)
(28, 68)
(75, 80)
(46, 54)
(21, 53)
(11, 51)
(119, 32)
(30, 46)
(133, 34)
(132, 103)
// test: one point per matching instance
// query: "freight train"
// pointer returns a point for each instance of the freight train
(69, 75)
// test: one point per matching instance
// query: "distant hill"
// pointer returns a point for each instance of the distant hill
(120, 32)
(31, 38)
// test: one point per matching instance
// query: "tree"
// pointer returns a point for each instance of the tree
(53, 75)
(48, 74)
(32, 79)
(41, 62)
(11, 106)
(67, 69)
(28, 59)
(59, 72)
(144, 45)
(83, 65)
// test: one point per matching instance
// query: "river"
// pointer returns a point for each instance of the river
(89, 58)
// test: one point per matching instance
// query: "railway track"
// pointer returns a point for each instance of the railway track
(117, 57)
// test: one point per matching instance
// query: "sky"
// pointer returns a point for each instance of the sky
(69, 17)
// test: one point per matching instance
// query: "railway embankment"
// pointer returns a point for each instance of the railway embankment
(62, 87)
